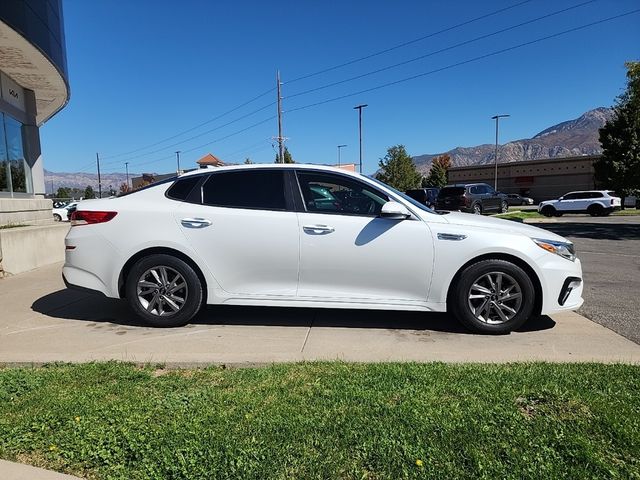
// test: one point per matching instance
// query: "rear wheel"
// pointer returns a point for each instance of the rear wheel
(477, 209)
(595, 210)
(493, 296)
(504, 207)
(548, 211)
(164, 291)
(57, 218)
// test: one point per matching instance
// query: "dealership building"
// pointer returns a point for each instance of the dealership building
(539, 179)
(34, 87)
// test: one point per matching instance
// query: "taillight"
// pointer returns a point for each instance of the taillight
(87, 217)
(612, 202)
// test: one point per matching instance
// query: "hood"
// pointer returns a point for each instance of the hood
(499, 224)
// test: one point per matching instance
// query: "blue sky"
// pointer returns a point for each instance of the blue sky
(142, 71)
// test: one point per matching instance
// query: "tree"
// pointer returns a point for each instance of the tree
(63, 192)
(287, 157)
(619, 166)
(248, 161)
(439, 172)
(124, 187)
(89, 193)
(398, 170)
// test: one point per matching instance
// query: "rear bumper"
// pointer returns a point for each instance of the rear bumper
(72, 286)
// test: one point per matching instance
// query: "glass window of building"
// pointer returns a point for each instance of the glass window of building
(15, 175)
(5, 174)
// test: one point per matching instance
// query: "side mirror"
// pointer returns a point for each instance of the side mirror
(560, 199)
(394, 211)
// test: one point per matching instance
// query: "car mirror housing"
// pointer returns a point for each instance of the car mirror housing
(394, 211)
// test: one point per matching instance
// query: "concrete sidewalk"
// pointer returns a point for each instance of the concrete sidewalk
(18, 471)
(41, 321)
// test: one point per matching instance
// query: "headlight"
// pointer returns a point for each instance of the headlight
(564, 249)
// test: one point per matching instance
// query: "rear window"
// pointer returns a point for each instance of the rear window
(182, 188)
(451, 192)
(253, 189)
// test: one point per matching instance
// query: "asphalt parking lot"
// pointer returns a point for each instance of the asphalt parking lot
(609, 248)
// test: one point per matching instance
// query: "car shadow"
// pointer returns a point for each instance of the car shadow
(71, 305)
(600, 231)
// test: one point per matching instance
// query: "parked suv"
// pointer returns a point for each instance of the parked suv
(594, 202)
(426, 196)
(475, 198)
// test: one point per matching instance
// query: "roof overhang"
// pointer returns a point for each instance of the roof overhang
(27, 65)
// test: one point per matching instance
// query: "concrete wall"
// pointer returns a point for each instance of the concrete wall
(26, 248)
(31, 211)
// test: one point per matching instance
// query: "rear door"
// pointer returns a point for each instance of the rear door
(245, 231)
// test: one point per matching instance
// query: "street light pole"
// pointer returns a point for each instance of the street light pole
(359, 108)
(339, 147)
(495, 179)
(178, 160)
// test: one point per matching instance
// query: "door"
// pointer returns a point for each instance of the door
(569, 203)
(349, 253)
(491, 198)
(245, 232)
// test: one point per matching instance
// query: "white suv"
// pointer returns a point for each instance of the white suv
(312, 236)
(594, 202)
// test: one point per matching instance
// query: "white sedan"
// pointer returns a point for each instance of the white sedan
(312, 236)
(61, 214)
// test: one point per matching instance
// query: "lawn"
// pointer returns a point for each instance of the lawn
(325, 421)
(519, 215)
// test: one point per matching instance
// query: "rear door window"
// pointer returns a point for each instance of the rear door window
(451, 192)
(251, 189)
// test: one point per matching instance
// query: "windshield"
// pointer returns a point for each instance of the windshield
(413, 202)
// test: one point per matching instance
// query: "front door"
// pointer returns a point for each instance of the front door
(244, 232)
(349, 254)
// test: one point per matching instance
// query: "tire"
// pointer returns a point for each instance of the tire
(476, 209)
(154, 302)
(57, 218)
(504, 207)
(548, 211)
(473, 289)
(595, 210)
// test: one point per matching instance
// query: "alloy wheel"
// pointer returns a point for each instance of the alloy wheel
(162, 291)
(495, 298)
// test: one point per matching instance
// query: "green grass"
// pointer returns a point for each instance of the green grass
(12, 225)
(325, 421)
(519, 215)
(627, 211)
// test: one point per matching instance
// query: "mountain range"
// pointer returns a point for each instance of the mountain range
(567, 139)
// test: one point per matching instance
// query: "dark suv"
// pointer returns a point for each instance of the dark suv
(426, 196)
(475, 198)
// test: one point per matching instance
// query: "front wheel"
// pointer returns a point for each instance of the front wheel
(493, 296)
(477, 209)
(548, 211)
(57, 218)
(164, 291)
(504, 207)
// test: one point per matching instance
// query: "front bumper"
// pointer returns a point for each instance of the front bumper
(562, 284)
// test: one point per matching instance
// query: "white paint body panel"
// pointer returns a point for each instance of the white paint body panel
(254, 257)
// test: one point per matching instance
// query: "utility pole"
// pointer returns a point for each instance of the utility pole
(495, 179)
(339, 147)
(178, 160)
(280, 137)
(126, 166)
(99, 181)
(359, 108)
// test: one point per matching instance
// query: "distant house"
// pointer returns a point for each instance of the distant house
(210, 160)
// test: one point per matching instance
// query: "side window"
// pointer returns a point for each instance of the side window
(473, 190)
(571, 196)
(595, 195)
(252, 189)
(328, 193)
(181, 189)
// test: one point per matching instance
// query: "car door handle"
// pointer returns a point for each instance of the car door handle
(195, 222)
(318, 229)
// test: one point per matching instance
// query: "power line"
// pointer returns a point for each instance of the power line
(430, 54)
(404, 44)
(193, 128)
(195, 136)
(464, 62)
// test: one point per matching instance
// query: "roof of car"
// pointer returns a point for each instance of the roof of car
(297, 166)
